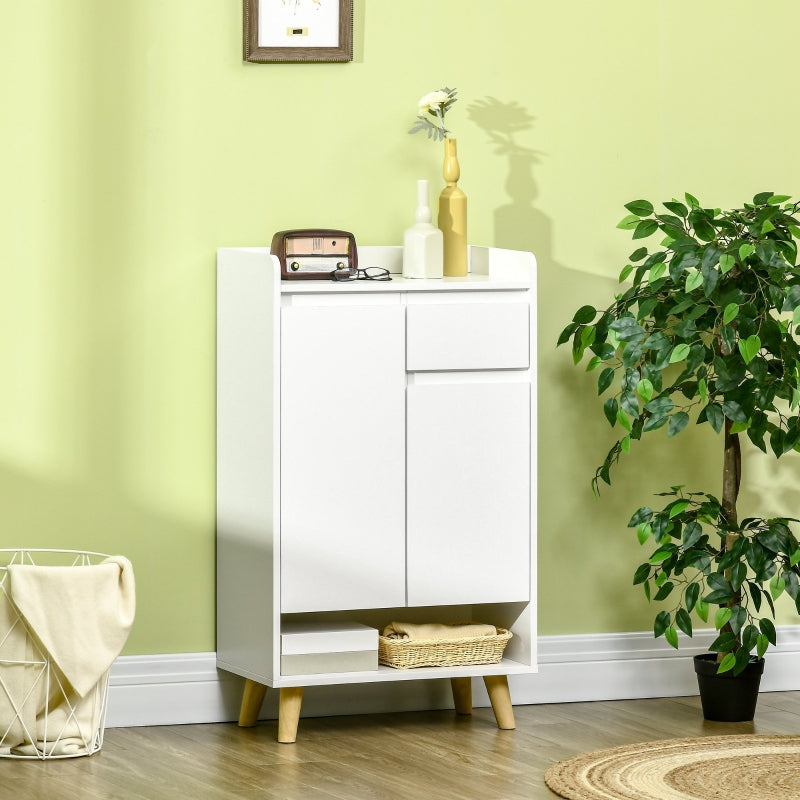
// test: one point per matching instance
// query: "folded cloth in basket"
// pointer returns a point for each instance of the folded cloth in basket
(82, 615)
(438, 630)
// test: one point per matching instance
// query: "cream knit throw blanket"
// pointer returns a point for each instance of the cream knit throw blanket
(437, 630)
(77, 618)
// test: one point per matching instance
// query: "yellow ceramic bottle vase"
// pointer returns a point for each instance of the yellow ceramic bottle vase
(453, 215)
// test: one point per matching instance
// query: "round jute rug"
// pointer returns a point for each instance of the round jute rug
(755, 767)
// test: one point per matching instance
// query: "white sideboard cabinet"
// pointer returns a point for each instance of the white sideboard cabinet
(376, 461)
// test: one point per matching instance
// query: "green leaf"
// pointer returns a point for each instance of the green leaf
(795, 557)
(626, 271)
(623, 420)
(718, 596)
(671, 635)
(734, 411)
(691, 200)
(777, 586)
(730, 313)
(693, 281)
(588, 335)
(738, 574)
(644, 532)
(678, 508)
(726, 263)
(768, 629)
(656, 272)
(662, 405)
(642, 574)
(594, 363)
(681, 351)
(792, 301)
(749, 638)
(762, 643)
(605, 379)
(684, 621)
(715, 416)
(647, 227)
(627, 329)
(628, 223)
(645, 390)
(701, 607)
(704, 229)
(742, 659)
(677, 423)
(749, 347)
(625, 444)
(727, 664)
(661, 623)
(610, 408)
(746, 250)
(665, 590)
(641, 515)
(584, 314)
(677, 208)
(722, 616)
(655, 422)
(724, 643)
(642, 208)
(566, 334)
(692, 532)
(662, 554)
(691, 596)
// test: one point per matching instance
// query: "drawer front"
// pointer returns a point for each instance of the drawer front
(456, 336)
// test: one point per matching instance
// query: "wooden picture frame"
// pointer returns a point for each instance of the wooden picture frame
(298, 30)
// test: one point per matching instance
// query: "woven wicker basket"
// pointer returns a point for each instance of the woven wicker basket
(408, 653)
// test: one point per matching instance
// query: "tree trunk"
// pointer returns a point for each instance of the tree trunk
(731, 475)
(731, 480)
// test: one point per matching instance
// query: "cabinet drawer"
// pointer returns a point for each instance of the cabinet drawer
(467, 336)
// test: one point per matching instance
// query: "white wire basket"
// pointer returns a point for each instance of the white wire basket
(41, 716)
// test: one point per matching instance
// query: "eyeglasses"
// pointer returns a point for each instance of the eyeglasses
(368, 274)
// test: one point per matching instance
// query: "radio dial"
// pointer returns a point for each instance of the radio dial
(294, 266)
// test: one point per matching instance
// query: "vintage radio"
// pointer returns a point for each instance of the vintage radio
(314, 253)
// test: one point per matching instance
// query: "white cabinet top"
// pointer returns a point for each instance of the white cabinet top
(491, 269)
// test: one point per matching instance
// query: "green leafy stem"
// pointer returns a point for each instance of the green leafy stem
(701, 560)
(707, 329)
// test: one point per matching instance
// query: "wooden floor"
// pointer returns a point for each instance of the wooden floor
(424, 755)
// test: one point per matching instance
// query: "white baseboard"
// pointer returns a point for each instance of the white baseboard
(188, 688)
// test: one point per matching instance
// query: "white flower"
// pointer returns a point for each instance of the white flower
(432, 102)
(436, 105)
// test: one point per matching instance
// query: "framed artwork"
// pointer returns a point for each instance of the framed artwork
(298, 30)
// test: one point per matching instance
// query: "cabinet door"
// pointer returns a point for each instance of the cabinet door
(469, 490)
(342, 457)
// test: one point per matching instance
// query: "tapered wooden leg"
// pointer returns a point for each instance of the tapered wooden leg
(252, 699)
(462, 695)
(291, 699)
(497, 686)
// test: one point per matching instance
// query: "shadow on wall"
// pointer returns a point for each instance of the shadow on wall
(588, 536)
(111, 384)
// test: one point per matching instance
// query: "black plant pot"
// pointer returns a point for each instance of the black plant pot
(728, 697)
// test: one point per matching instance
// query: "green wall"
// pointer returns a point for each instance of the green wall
(135, 142)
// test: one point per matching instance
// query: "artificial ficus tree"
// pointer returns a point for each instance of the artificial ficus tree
(706, 333)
